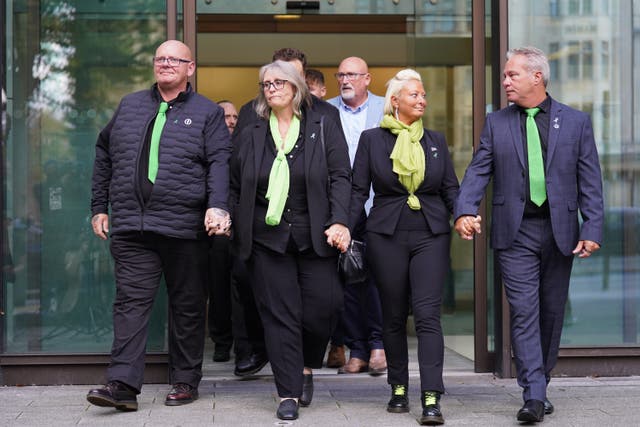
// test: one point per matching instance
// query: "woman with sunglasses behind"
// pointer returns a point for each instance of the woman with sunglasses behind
(289, 196)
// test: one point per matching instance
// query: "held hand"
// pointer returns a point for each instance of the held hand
(585, 248)
(100, 225)
(338, 236)
(468, 225)
(217, 221)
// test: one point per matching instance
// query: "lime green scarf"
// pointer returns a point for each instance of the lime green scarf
(407, 155)
(278, 189)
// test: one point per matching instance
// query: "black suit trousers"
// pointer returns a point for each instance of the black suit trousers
(140, 261)
(410, 267)
(299, 297)
(219, 316)
(248, 334)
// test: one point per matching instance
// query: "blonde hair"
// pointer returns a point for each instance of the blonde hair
(396, 84)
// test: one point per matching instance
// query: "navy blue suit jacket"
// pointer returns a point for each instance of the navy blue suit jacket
(572, 174)
(373, 167)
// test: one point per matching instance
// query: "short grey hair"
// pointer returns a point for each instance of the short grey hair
(292, 75)
(396, 84)
(536, 61)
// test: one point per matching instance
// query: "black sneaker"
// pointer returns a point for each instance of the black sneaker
(431, 415)
(399, 401)
(116, 395)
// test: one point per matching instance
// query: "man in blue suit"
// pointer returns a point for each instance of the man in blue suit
(540, 182)
(361, 326)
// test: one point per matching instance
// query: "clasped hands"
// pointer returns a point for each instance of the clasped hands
(338, 236)
(468, 225)
(217, 221)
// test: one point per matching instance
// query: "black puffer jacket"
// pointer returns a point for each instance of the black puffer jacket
(193, 166)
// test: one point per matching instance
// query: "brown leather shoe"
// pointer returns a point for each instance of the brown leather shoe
(115, 394)
(335, 358)
(181, 394)
(377, 362)
(354, 366)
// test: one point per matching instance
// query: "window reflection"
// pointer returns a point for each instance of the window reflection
(68, 74)
(587, 73)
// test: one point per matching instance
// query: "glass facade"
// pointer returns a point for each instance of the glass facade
(593, 48)
(67, 65)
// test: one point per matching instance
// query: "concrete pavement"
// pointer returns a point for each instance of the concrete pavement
(339, 400)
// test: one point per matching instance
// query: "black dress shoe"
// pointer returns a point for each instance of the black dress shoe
(399, 401)
(181, 394)
(251, 365)
(532, 411)
(116, 395)
(431, 414)
(548, 407)
(221, 354)
(307, 390)
(288, 410)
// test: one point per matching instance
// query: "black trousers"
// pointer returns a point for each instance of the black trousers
(411, 266)
(299, 296)
(360, 325)
(140, 261)
(248, 334)
(219, 316)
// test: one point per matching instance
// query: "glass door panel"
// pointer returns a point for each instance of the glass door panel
(434, 38)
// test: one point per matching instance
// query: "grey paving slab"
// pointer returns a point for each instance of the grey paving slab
(339, 400)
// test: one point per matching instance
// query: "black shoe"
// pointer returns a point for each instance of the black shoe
(399, 402)
(181, 394)
(116, 395)
(251, 365)
(307, 390)
(548, 407)
(431, 414)
(532, 411)
(288, 410)
(221, 354)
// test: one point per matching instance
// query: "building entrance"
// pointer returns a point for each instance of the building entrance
(434, 39)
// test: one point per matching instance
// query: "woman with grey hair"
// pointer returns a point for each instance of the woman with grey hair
(289, 194)
(408, 231)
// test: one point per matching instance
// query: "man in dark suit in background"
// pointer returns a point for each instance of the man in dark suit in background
(540, 181)
(248, 115)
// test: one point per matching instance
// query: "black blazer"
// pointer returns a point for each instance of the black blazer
(327, 179)
(372, 166)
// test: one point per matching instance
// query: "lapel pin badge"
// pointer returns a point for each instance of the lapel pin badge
(313, 135)
(555, 123)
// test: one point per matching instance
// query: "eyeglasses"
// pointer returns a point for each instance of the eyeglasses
(277, 84)
(174, 62)
(349, 76)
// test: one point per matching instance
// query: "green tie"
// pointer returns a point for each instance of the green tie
(536, 165)
(161, 118)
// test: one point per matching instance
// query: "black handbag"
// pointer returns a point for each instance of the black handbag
(351, 264)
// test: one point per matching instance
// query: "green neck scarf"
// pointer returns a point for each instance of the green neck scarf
(278, 189)
(407, 155)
